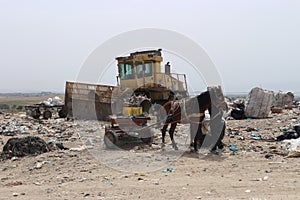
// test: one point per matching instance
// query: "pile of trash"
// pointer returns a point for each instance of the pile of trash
(26, 146)
(28, 136)
(291, 139)
(290, 134)
(260, 103)
(238, 109)
(284, 100)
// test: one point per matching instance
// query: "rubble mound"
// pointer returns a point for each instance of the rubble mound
(25, 146)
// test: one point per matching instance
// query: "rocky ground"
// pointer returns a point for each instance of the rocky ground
(252, 165)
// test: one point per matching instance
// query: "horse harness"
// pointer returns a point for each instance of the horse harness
(175, 105)
(173, 108)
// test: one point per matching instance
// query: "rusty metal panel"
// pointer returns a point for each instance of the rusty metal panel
(89, 101)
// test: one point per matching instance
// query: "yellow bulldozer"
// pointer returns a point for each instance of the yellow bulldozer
(141, 82)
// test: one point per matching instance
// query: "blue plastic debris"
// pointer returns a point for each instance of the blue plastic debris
(255, 136)
(233, 147)
(22, 132)
(106, 182)
(169, 169)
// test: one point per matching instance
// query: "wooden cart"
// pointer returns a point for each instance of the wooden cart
(36, 110)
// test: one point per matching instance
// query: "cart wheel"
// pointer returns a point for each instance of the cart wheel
(47, 114)
(110, 139)
(62, 113)
(36, 113)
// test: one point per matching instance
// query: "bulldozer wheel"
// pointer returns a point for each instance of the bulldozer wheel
(47, 114)
(110, 139)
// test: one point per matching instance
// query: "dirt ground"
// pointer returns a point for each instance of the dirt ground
(258, 169)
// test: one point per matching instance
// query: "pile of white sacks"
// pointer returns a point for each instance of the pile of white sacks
(56, 101)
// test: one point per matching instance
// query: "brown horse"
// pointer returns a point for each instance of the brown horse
(173, 111)
(192, 111)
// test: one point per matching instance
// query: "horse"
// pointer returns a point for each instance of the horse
(193, 111)
(173, 110)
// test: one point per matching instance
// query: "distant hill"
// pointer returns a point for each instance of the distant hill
(37, 94)
(15, 102)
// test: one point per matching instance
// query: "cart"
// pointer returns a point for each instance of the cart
(132, 126)
(36, 110)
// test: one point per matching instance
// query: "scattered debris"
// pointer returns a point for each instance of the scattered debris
(265, 178)
(232, 147)
(291, 134)
(292, 145)
(169, 169)
(16, 183)
(255, 136)
(15, 194)
(140, 174)
(238, 110)
(83, 147)
(38, 165)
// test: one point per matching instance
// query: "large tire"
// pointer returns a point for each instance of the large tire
(146, 105)
(47, 114)
(62, 113)
(36, 113)
(110, 139)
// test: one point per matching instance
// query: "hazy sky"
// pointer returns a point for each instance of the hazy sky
(252, 43)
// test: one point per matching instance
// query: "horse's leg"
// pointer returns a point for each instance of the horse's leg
(220, 144)
(217, 127)
(171, 132)
(193, 133)
(199, 137)
(163, 131)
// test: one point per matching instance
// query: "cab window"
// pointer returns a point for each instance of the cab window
(139, 69)
(148, 69)
(126, 71)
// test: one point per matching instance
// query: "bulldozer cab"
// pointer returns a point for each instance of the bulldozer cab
(143, 70)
